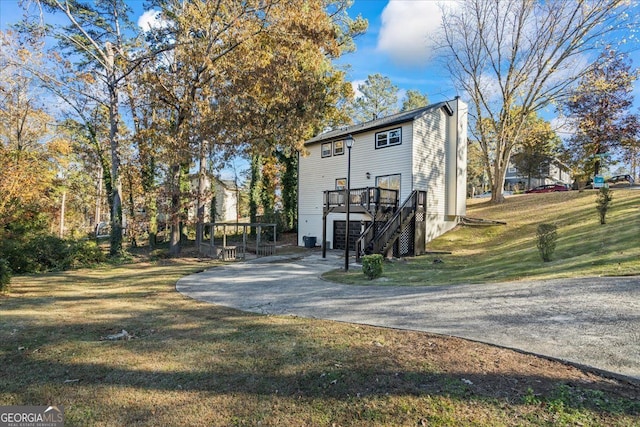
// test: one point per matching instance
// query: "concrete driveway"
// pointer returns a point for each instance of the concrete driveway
(593, 322)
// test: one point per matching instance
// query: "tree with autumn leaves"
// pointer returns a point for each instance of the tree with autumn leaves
(213, 80)
(215, 103)
(521, 56)
(600, 109)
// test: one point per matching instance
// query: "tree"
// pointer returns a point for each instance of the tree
(414, 99)
(475, 169)
(600, 108)
(378, 98)
(95, 37)
(537, 150)
(26, 172)
(524, 54)
(289, 93)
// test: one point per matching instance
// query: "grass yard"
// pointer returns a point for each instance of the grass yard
(195, 364)
(501, 253)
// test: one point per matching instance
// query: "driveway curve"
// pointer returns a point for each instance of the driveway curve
(593, 322)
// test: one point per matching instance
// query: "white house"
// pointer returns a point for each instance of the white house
(555, 173)
(221, 199)
(416, 159)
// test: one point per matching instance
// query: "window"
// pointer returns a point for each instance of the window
(390, 182)
(338, 148)
(341, 183)
(389, 138)
(326, 149)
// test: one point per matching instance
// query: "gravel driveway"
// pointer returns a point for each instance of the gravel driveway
(593, 321)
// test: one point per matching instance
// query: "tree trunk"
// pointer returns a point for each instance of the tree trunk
(202, 193)
(114, 118)
(62, 206)
(497, 185)
(174, 240)
(254, 190)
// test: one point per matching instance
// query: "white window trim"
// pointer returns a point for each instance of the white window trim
(329, 151)
(387, 143)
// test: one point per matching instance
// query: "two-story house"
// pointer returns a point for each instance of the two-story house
(554, 173)
(408, 181)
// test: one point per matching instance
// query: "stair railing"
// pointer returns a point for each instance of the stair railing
(388, 234)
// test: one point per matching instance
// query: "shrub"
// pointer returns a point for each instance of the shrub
(37, 253)
(603, 199)
(547, 236)
(5, 275)
(372, 266)
(85, 253)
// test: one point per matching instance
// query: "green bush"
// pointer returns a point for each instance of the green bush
(603, 199)
(49, 253)
(5, 275)
(36, 253)
(547, 236)
(372, 266)
(85, 253)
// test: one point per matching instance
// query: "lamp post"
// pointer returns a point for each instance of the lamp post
(349, 143)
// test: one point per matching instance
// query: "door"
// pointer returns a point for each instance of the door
(355, 229)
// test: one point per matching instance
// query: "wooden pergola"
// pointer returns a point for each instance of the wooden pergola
(227, 252)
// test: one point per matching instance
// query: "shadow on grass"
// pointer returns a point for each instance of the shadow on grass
(51, 349)
(223, 351)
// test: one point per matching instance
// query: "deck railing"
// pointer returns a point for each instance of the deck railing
(370, 198)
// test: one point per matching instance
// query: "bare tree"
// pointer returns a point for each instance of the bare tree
(94, 35)
(521, 53)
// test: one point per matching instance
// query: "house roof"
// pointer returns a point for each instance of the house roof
(394, 119)
(228, 184)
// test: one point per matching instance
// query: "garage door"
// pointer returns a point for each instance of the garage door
(355, 228)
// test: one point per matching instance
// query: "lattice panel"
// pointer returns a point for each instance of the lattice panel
(406, 241)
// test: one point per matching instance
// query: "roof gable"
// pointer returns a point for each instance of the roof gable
(394, 119)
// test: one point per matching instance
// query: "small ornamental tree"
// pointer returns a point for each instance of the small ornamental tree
(547, 235)
(603, 199)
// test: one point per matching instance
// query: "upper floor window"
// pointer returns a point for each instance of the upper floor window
(326, 149)
(388, 138)
(338, 148)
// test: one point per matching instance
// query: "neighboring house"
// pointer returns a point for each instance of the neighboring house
(415, 160)
(556, 173)
(221, 200)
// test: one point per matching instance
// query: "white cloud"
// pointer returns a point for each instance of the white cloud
(409, 30)
(151, 19)
(355, 84)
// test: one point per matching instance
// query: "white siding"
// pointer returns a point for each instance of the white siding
(440, 167)
(318, 174)
(461, 166)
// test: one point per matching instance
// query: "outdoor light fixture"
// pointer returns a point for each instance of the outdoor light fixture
(368, 174)
(349, 143)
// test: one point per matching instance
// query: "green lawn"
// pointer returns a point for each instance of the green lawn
(508, 252)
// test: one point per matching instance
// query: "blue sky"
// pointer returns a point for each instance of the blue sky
(398, 44)
(395, 45)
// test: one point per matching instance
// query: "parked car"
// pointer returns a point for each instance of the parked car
(548, 188)
(621, 178)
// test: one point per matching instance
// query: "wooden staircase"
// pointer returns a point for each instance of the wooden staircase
(380, 238)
